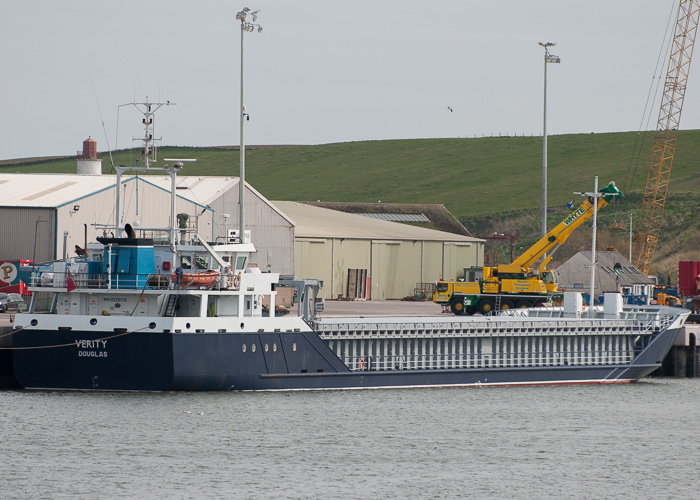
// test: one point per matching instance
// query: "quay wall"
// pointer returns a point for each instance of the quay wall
(683, 360)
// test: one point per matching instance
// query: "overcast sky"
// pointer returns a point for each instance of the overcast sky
(325, 71)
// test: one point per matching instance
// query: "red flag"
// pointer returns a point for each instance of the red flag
(70, 283)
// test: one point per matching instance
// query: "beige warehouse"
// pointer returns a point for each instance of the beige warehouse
(396, 256)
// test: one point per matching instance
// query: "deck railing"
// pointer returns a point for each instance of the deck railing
(99, 281)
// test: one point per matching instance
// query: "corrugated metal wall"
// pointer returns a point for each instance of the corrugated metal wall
(18, 226)
(457, 256)
(348, 254)
(394, 266)
(432, 261)
(393, 262)
(270, 232)
(314, 259)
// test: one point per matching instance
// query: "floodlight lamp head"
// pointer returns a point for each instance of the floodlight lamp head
(547, 44)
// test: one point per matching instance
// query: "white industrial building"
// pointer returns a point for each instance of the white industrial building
(392, 257)
(44, 216)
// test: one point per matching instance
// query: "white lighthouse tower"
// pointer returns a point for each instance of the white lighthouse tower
(90, 161)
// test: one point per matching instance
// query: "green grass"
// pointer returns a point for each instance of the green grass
(492, 184)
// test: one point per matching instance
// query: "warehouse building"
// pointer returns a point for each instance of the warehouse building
(362, 257)
(44, 216)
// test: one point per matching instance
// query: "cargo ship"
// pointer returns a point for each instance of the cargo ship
(174, 312)
(183, 314)
(114, 323)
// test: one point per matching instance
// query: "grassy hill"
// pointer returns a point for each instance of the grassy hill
(491, 184)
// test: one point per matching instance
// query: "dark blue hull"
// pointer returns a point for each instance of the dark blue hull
(144, 361)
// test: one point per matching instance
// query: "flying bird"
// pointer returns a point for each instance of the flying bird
(450, 109)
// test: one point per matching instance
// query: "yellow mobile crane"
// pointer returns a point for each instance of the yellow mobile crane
(518, 284)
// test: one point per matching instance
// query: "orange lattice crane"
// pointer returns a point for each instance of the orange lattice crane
(666, 132)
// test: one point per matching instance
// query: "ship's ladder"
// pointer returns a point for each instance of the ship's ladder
(498, 303)
(170, 305)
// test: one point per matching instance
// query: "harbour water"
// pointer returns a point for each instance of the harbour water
(619, 441)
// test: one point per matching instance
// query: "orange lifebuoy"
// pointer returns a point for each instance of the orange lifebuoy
(362, 363)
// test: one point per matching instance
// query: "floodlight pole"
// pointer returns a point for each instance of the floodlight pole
(245, 26)
(548, 58)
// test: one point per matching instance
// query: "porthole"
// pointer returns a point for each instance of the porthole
(187, 326)
(274, 347)
(244, 348)
(151, 325)
(34, 322)
(294, 346)
(93, 321)
(266, 347)
(252, 347)
(242, 326)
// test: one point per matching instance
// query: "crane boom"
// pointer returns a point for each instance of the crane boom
(550, 242)
(664, 146)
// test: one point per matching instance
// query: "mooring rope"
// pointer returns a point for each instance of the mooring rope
(65, 345)
(11, 333)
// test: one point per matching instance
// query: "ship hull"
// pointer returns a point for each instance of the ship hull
(163, 361)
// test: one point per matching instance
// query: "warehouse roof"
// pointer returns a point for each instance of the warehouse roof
(200, 189)
(49, 190)
(430, 216)
(56, 190)
(316, 222)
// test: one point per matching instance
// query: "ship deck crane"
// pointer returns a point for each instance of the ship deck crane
(664, 146)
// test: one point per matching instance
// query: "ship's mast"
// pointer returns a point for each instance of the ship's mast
(148, 155)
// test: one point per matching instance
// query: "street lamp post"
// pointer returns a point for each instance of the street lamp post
(249, 27)
(548, 58)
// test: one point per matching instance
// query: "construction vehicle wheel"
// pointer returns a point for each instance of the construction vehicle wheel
(470, 310)
(507, 304)
(523, 303)
(486, 306)
(457, 307)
